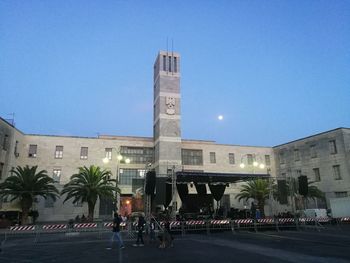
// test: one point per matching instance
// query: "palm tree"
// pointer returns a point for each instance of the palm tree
(25, 185)
(257, 189)
(89, 184)
(292, 190)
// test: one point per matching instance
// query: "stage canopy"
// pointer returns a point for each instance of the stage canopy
(215, 178)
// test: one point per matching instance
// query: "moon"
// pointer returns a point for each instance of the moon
(220, 117)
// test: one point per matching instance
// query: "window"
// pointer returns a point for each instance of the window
(175, 64)
(317, 174)
(231, 158)
(169, 64)
(84, 153)
(282, 160)
(5, 142)
(108, 153)
(192, 157)
(212, 157)
(250, 159)
(49, 202)
(59, 152)
(56, 176)
(313, 152)
(340, 194)
(16, 149)
(127, 175)
(139, 155)
(1, 169)
(296, 155)
(32, 151)
(333, 147)
(267, 160)
(336, 172)
(164, 63)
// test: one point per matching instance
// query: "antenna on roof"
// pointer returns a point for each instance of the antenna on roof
(167, 45)
(12, 120)
(172, 46)
(172, 53)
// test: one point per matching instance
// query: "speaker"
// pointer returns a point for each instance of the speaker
(150, 184)
(282, 191)
(163, 191)
(303, 186)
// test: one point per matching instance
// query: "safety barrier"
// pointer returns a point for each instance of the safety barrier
(192, 226)
(183, 226)
(55, 227)
(22, 228)
(345, 219)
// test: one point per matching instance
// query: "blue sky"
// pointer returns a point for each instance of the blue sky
(276, 70)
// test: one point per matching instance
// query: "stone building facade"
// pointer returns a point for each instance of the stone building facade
(324, 158)
(61, 156)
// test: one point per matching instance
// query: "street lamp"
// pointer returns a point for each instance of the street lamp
(256, 162)
(252, 160)
(120, 157)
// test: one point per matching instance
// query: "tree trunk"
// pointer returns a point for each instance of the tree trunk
(91, 207)
(261, 206)
(25, 205)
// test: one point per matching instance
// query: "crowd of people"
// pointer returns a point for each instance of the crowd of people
(165, 235)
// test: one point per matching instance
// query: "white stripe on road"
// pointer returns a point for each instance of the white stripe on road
(269, 252)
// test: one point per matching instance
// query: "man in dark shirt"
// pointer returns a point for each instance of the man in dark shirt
(140, 226)
(116, 231)
(168, 236)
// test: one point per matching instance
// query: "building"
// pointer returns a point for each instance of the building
(167, 152)
(324, 158)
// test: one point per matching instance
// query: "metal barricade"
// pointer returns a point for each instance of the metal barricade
(193, 226)
(287, 223)
(244, 224)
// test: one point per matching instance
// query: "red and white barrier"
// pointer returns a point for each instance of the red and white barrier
(172, 223)
(266, 221)
(195, 222)
(306, 219)
(22, 228)
(122, 224)
(52, 227)
(285, 220)
(175, 223)
(323, 219)
(219, 222)
(244, 221)
(310, 219)
(85, 225)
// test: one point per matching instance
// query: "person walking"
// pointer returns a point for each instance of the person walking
(116, 231)
(152, 233)
(167, 239)
(140, 226)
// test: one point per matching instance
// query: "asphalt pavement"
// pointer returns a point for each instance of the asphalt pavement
(327, 245)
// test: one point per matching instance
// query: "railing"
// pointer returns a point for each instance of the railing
(129, 229)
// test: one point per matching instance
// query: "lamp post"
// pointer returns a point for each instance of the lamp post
(256, 162)
(173, 191)
(120, 157)
(148, 198)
